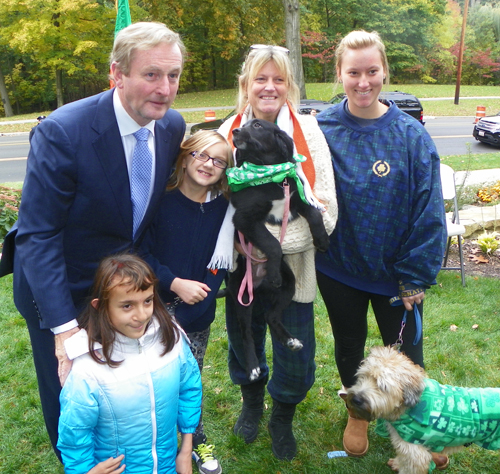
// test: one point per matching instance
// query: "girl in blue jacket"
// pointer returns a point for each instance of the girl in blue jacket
(134, 381)
(180, 243)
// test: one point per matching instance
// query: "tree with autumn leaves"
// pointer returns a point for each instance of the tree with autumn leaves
(55, 51)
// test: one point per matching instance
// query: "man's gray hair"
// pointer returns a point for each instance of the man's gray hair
(142, 36)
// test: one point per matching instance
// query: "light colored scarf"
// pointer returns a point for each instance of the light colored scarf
(286, 121)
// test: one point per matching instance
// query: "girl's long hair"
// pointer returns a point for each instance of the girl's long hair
(122, 269)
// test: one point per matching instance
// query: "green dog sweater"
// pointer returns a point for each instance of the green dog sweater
(450, 416)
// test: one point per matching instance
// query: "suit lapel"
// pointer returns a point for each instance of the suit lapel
(108, 148)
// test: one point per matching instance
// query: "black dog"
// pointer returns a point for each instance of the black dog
(262, 143)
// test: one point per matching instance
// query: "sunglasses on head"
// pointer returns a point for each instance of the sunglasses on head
(264, 46)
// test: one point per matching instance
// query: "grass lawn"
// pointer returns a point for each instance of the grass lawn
(479, 161)
(467, 357)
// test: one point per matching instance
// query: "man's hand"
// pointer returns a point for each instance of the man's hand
(110, 466)
(65, 364)
(409, 300)
(189, 291)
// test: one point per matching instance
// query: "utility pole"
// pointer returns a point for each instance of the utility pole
(461, 52)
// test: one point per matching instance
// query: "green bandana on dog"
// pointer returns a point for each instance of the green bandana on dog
(249, 174)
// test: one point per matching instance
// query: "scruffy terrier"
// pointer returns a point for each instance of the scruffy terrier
(421, 415)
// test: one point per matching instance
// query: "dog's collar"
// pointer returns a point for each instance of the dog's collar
(249, 174)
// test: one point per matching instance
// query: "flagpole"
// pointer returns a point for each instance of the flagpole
(123, 19)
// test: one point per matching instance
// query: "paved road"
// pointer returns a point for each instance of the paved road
(13, 152)
(452, 135)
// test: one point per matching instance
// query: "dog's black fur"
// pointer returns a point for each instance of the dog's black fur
(262, 143)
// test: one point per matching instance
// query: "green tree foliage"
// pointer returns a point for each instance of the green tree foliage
(319, 53)
(481, 57)
(68, 39)
(217, 34)
(406, 27)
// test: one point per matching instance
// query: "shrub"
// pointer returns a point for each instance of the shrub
(9, 207)
(488, 243)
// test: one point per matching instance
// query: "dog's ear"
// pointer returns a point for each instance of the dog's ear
(413, 383)
(411, 395)
(285, 145)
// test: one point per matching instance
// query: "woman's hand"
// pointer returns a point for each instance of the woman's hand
(189, 291)
(408, 301)
(110, 466)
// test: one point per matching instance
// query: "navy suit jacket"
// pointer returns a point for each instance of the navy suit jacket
(76, 206)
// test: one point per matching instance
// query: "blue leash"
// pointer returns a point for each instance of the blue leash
(418, 323)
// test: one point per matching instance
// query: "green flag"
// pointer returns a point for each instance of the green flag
(123, 18)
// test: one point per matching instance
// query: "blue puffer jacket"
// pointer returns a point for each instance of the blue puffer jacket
(134, 409)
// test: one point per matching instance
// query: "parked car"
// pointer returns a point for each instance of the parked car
(487, 130)
(406, 102)
(212, 125)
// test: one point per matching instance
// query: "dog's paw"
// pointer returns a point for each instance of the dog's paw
(254, 374)
(393, 464)
(294, 344)
(322, 243)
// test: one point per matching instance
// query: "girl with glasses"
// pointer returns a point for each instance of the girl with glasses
(179, 245)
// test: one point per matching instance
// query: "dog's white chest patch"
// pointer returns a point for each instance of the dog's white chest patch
(278, 210)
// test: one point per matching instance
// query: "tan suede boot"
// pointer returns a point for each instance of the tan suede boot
(355, 436)
(355, 439)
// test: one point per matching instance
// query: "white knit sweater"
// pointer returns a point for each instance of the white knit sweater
(298, 243)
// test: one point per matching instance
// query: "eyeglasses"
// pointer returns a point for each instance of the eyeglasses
(200, 156)
(263, 46)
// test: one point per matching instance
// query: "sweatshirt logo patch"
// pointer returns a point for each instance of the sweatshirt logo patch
(381, 168)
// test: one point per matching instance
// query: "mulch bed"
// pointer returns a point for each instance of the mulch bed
(476, 263)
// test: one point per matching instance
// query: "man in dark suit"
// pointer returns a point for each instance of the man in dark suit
(77, 203)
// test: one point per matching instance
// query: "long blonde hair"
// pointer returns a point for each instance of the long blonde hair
(254, 62)
(200, 141)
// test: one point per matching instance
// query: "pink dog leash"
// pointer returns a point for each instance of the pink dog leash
(247, 282)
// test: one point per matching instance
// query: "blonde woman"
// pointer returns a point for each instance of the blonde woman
(389, 242)
(267, 91)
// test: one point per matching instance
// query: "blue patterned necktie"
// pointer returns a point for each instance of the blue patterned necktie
(142, 164)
